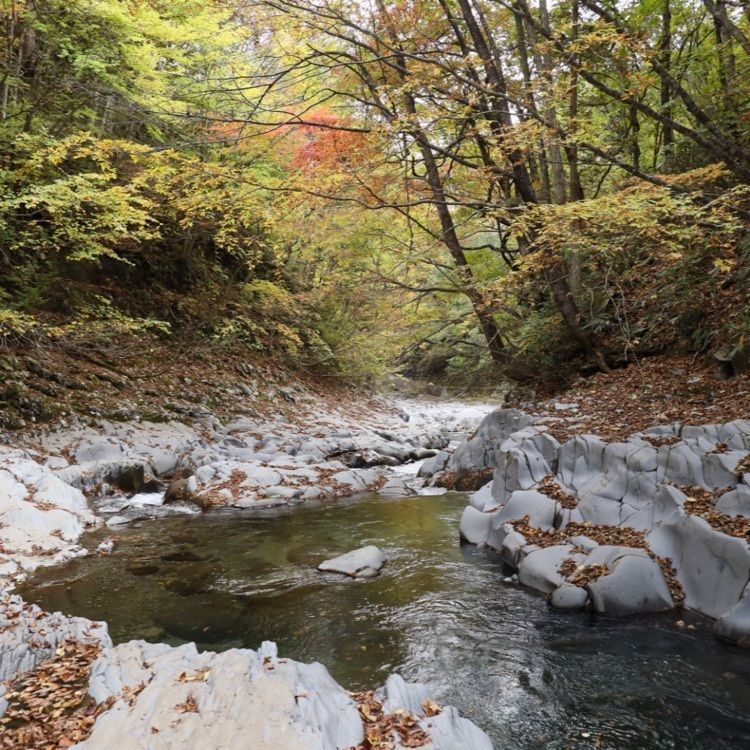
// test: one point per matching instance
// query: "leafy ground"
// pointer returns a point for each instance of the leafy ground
(657, 390)
(146, 378)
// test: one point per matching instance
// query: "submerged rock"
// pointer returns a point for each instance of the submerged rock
(364, 562)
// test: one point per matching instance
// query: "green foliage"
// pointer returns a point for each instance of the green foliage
(64, 199)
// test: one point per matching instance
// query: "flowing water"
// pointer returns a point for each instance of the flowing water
(439, 614)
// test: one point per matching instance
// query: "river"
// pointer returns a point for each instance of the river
(440, 613)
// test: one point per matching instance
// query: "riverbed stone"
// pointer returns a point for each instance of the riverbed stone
(735, 502)
(540, 509)
(433, 465)
(447, 730)
(475, 525)
(365, 562)
(539, 569)
(635, 584)
(734, 625)
(712, 567)
(569, 597)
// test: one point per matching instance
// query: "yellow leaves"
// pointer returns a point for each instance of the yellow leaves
(723, 265)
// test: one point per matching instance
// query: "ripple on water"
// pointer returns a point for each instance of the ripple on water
(440, 614)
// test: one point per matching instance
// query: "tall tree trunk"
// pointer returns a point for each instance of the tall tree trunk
(576, 188)
(665, 50)
(510, 366)
(557, 275)
(635, 132)
(557, 168)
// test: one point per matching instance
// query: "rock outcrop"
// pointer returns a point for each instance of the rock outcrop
(159, 697)
(644, 525)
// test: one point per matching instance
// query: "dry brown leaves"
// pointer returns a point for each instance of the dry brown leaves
(49, 707)
(464, 481)
(567, 567)
(700, 502)
(742, 468)
(585, 574)
(670, 576)
(659, 441)
(381, 728)
(550, 487)
(657, 390)
(190, 706)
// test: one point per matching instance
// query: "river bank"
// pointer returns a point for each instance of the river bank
(158, 695)
(598, 526)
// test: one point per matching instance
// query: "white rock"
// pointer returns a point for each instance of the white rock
(364, 562)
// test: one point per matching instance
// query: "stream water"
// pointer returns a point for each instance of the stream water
(440, 613)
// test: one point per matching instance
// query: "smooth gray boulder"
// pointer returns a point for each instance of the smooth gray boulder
(514, 546)
(482, 499)
(447, 730)
(433, 465)
(736, 502)
(712, 567)
(475, 525)
(579, 459)
(478, 452)
(734, 625)
(541, 510)
(569, 597)
(539, 569)
(279, 703)
(364, 562)
(635, 584)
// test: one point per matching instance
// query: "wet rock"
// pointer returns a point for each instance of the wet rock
(181, 555)
(734, 625)
(540, 568)
(634, 585)
(569, 597)
(367, 458)
(712, 567)
(475, 525)
(446, 730)
(143, 570)
(483, 500)
(118, 520)
(182, 491)
(365, 562)
(540, 509)
(433, 465)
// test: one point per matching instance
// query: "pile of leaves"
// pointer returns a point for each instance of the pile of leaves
(49, 707)
(567, 567)
(585, 574)
(465, 481)
(550, 487)
(700, 502)
(657, 390)
(382, 728)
